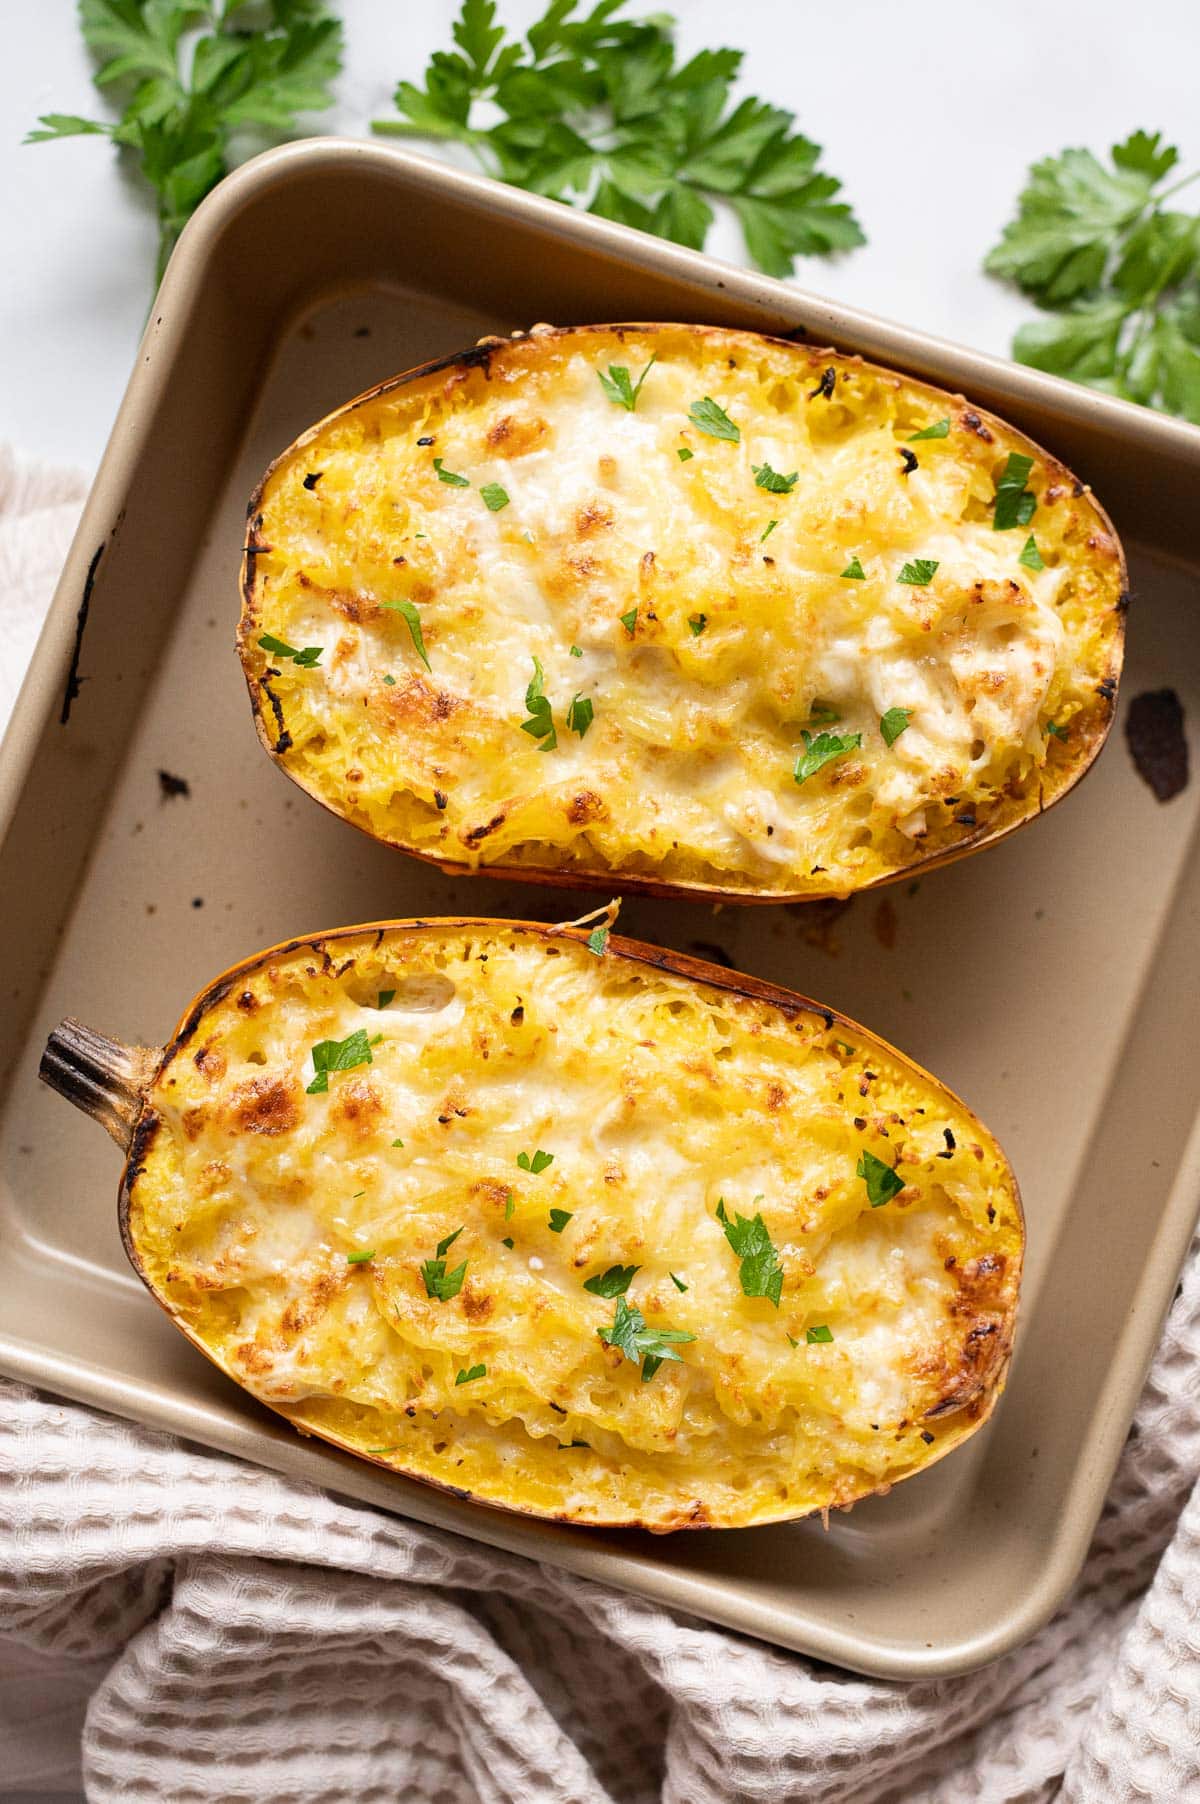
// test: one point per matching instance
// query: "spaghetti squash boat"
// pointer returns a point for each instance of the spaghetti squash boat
(566, 1223)
(685, 609)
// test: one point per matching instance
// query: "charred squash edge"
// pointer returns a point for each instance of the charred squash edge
(148, 1065)
(1036, 802)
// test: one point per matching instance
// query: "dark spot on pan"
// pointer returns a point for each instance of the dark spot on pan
(1157, 743)
(1108, 688)
(171, 785)
(1123, 600)
(362, 331)
(197, 901)
(74, 680)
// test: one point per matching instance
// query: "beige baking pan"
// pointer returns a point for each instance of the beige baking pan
(1051, 981)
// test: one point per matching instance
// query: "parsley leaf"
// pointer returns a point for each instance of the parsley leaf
(768, 530)
(384, 997)
(1015, 504)
(697, 624)
(893, 723)
(1115, 271)
(767, 478)
(579, 715)
(577, 651)
(612, 1283)
(536, 1163)
(470, 1375)
(408, 613)
(494, 497)
(595, 108)
(304, 660)
(540, 724)
(360, 1258)
(710, 417)
(645, 1346)
(597, 941)
(450, 476)
(440, 1284)
(854, 572)
(677, 1282)
(559, 1219)
(618, 386)
(821, 750)
(338, 1055)
(684, 455)
(939, 429)
(881, 1181)
(918, 571)
(818, 1335)
(629, 621)
(1030, 556)
(761, 1273)
(186, 97)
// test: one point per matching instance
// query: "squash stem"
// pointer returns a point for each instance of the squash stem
(100, 1076)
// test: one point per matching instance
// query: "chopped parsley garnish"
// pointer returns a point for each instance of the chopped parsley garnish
(893, 723)
(384, 997)
(629, 621)
(684, 455)
(677, 1282)
(597, 941)
(619, 386)
(397, 1143)
(708, 416)
(506, 1242)
(471, 1374)
(494, 497)
(540, 724)
(768, 529)
(1053, 727)
(360, 1258)
(761, 1273)
(579, 715)
(822, 750)
(440, 1284)
(303, 660)
(881, 1181)
(647, 1347)
(338, 1055)
(559, 1219)
(577, 651)
(792, 1341)
(445, 475)
(821, 715)
(775, 484)
(390, 681)
(918, 571)
(535, 1163)
(821, 1334)
(408, 612)
(1015, 504)
(612, 1283)
(939, 429)
(854, 572)
(509, 1206)
(1030, 556)
(697, 623)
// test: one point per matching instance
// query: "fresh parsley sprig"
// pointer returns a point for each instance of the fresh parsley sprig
(821, 750)
(596, 109)
(338, 1055)
(185, 98)
(647, 1347)
(440, 1284)
(1115, 271)
(761, 1273)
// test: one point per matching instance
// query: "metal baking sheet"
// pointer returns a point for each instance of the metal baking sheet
(1045, 980)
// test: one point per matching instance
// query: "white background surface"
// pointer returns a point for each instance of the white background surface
(929, 110)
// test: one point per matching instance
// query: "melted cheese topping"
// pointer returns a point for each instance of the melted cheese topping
(744, 634)
(657, 1096)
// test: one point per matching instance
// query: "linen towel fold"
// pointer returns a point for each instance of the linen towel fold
(225, 1635)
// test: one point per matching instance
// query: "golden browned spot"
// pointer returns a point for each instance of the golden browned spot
(515, 435)
(354, 607)
(591, 518)
(584, 807)
(247, 1002)
(477, 1305)
(253, 1357)
(776, 1096)
(211, 1061)
(418, 703)
(193, 1122)
(358, 1105)
(304, 1310)
(264, 1105)
(473, 835)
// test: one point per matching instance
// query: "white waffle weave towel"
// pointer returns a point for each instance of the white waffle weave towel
(184, 1629)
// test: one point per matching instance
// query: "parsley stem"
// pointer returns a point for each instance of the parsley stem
(429, 128)
(1175, 187)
